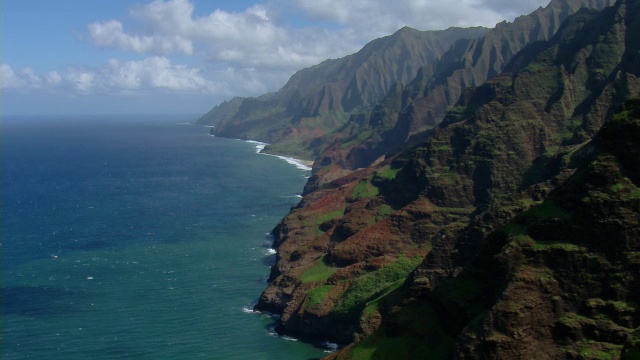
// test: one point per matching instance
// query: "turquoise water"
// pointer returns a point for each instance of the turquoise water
(138, 238)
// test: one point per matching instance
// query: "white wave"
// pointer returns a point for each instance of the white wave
(331, 347)
(271, 251)
(271, 330)
(248, 310)
(300, 164)
(293, 161)
(293, 197)
(288, 338)
(259, 145)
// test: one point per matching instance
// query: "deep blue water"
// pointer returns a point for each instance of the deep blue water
(138, 238)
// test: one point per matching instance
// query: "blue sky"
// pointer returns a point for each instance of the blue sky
(185, 56)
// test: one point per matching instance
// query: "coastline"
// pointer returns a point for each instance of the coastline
(305, 165)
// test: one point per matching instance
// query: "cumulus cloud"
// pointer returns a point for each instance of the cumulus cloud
(259, 37)
(249, 39)
(111, 34)
(247, 52)
(115, 76)
(155, 73)
(24, 78)
(379, 17)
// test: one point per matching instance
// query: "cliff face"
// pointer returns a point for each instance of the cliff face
(408, 111)
(560, 280)
(318, 100)
(508, 232)
(566, 272)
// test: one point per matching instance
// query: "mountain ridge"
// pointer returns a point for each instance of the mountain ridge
(487, 208)
(345, 252)
(427, 99)
(319, 99)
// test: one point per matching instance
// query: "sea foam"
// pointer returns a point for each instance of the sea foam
(290, 160)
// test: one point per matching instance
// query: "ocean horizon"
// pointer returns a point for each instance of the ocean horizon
(139, 237)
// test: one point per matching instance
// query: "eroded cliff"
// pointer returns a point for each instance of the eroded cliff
(510, 231)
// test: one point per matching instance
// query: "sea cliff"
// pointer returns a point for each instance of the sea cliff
(503, 222)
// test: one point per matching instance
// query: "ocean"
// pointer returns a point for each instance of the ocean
(138, 237)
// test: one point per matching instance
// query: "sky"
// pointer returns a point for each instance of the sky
(186, 56)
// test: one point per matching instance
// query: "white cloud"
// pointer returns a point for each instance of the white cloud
(380, 17)
(111, 34)
(247, 52)
(24, 79)
(9, 78)
(150, 74)
(246, 39)
(260, 38)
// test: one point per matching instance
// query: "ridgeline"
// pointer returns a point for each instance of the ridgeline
(475, 192)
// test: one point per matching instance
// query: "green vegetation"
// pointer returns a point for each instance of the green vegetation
(616, 188)
(315, 296)
(542, 245)
(385, 210)
(330, 216)
(365, 189)
(318, 272)
(374, 284)
(356, 139)
(316, 222)
(599, 350)
(387, 172)
(625, 188)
